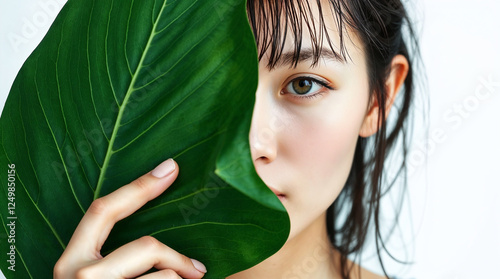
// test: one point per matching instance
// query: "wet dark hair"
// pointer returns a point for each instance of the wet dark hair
(385, 30)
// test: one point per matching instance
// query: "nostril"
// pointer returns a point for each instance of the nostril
(263, 159)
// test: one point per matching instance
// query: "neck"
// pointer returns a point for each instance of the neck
(306, 255)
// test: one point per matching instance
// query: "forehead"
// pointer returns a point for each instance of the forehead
(288, 33)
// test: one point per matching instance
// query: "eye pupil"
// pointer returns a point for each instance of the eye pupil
(302, 86)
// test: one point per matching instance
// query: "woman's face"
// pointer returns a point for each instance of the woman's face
(305, 125)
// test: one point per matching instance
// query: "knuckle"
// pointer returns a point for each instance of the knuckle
(98, 207)
(185, 261)
(141, 183)
(150, 242)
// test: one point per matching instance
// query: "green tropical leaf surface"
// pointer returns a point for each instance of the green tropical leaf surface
(115, 88)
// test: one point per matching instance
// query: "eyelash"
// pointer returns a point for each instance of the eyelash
(318, 93)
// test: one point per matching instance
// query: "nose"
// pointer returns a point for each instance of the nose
(263, 138)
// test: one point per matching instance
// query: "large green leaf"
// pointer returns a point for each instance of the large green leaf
(116, 87)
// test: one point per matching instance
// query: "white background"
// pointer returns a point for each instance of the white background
(455, 193)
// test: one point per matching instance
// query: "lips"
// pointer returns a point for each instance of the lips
(280, 195)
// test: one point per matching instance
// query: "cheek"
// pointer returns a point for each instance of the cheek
(321, 145)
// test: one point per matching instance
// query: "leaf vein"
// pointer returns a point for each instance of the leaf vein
(47, 120)
(180, 102)
(126, 38)
(35, 204)
(212, 223)
(175, 19)
(17, 249)
(107, 61)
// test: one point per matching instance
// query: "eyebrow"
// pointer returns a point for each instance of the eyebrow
(307, 54)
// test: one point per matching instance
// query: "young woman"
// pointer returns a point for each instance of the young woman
(329, 73)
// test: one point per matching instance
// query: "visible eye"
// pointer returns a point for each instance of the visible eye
(306, 87)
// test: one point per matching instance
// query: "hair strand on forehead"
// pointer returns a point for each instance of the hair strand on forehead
(273, 21)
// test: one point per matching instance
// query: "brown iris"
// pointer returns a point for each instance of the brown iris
(302, 86)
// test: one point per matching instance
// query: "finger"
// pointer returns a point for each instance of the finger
(104, 212)
(162, 274)
(139, 256)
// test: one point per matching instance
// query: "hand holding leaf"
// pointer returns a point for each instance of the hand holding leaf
(115, 88)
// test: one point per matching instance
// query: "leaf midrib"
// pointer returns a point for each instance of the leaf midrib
(130, 90)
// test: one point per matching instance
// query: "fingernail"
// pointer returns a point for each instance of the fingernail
(164, 169)
(199, 266)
